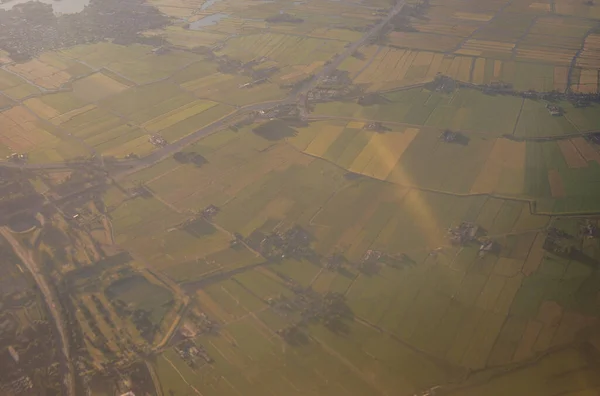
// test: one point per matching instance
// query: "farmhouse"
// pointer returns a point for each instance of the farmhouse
(590, 231)
(464, 233)
(160, 50)
(157, 140)
(210, 211)
(554, 110)
(485, 248)
(374, 126)
(16, 157)
(448, 136)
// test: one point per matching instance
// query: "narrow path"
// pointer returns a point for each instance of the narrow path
(155, 379)
(182, 377)
(358, 73)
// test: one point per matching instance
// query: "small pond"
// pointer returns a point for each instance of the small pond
(207, 21)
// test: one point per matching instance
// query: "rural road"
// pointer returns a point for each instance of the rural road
(51, 300)
(296, 95)
(160, 154)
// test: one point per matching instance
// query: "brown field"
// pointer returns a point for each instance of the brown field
(556, 184)
(479, 71)
(536, 254)
(590, 56)
(497, 69)
(550, 314)
(505, 154)
(323, 140)
(525, 349)
(561, 76)
(588, 81)
(19, 130)
(570, 326)
(571, 154)
(587, 151)
(41, 74)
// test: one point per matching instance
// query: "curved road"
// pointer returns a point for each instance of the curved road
(50, 297)
(293, 98)
(158, 155)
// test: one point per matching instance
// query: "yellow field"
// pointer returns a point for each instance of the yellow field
(71, 114)
(472, 16)
(140, 146)
(505, 154)
(423, 41)
(540, 6)
(355, 125)
(497, 69)
(571, 155)
(479, 71)
(282, 48)
(546, 55)
(41, 74)
(380, 155)
(588, 152)
(173, 117)
(590, 56)
(323, 140)
(177, 8)
(475, 47)
(301, 71)
(203, 82)
(394, 68)
(41, 109)
(96, 87)
(19, 130)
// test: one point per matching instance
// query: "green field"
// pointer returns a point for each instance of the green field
(315, 255)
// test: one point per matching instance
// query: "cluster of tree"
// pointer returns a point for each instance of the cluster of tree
(31, 28)
(283, 17)
(190, 157)
(329, 310)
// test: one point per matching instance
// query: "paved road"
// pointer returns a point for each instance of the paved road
(172, 148)
(51, 300)
(160, 154)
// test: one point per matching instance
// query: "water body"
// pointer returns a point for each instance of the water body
(59, 7)
(207, 21)
(207, 4)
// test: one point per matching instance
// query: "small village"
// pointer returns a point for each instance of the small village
(31, 28)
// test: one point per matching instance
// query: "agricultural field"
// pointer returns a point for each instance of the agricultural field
(419, 232)
(284, 49)
(24, 132)
(497, 310)
(50, 71)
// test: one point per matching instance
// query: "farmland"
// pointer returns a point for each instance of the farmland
(501, 302)
(214, 219)
(497, 301)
